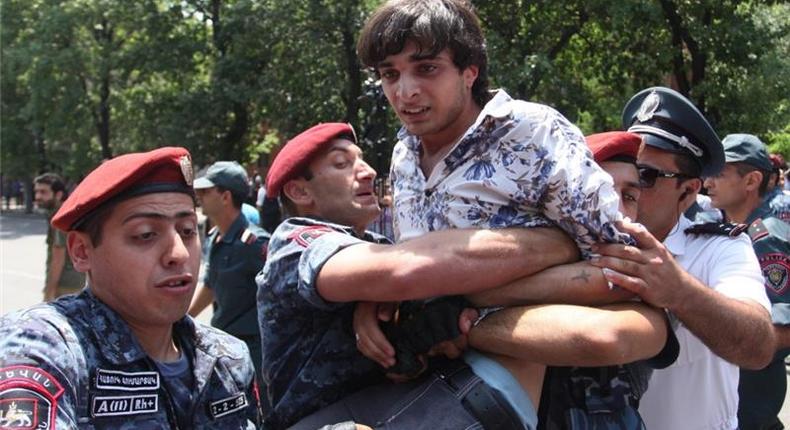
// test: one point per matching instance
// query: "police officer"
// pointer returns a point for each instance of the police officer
(739, 189)
(234, 251)
(707, 277)
(122, 354)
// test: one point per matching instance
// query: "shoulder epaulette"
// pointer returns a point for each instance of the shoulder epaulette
(717, 229)
(757, 230)
(248, 236)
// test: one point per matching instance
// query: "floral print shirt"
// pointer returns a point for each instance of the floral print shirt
(519, 164)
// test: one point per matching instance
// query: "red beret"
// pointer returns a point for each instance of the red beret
(612, 144)
(299, 151)
(777, 161)
(162, 170)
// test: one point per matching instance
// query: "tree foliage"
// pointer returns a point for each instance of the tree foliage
(83, 80)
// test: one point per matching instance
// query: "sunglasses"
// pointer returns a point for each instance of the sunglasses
(648, 175)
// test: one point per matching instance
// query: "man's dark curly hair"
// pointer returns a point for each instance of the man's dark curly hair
(432, 25)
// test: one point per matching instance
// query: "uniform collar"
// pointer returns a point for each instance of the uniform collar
(119, 345)
(764, 210)
(111, 333)
(676, 241)
(314, 220)
(238, 226)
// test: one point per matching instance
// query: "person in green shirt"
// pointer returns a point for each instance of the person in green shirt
(61, 278)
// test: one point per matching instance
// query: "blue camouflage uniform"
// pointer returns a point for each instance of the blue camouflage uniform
(310, 358)
(74, 363)
(233, 260)
(762, 392)
(778, 203)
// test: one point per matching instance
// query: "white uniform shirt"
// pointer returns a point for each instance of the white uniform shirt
(700, 390)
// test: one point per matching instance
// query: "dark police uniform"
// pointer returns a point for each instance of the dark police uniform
(762, 392)
(310, 358)
(74, 363)
(233, 260)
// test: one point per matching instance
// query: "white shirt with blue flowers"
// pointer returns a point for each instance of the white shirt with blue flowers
(519, 164)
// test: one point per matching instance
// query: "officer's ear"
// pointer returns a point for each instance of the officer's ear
(690, 189)
(753, 180)
(80, 248)
(296, 190)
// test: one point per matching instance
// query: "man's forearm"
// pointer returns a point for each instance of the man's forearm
(56, 263)
(741, 331)
(203, 298)
(577, 283)
(442, 263)
(782, 336)
(566, 335)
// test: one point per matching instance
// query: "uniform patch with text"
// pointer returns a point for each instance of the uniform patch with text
(776, 271)
(28, 398)
(112, 406)
(306, 235)
(126, 381)
(223, 407)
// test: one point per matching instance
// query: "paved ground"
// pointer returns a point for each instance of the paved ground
(22, 260)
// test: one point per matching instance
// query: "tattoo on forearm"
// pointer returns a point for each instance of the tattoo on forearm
(583, 276)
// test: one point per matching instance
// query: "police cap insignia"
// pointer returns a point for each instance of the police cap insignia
(28, 398)
(186, 169)
(649, 107)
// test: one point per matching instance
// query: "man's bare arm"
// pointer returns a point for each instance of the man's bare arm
(568, 335)
(782, 336)
(56, 263)
(448, 262)
(577, 283)
(202, 299)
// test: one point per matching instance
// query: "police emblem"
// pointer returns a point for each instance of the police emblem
(28, 398)
(306, 235)
(649, 107)
(776, 271)
(186, 169)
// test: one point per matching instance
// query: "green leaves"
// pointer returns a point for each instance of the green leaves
(230, 79)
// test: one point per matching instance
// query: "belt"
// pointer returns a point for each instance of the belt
(484, 402)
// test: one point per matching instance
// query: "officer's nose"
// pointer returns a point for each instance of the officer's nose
(177, 252)
(365, 172)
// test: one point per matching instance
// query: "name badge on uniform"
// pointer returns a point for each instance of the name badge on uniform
(223, 407)
(126, 381)
(110, 406)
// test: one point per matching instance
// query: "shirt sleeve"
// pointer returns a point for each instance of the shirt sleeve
(319, 251)
(39, 368)
(735, 272)
(579, 196)
(59, 239)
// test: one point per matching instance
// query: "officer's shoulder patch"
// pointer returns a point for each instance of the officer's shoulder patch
(28, 398)
(776, 271)
(757, 230)
(304, 236)
(248, 237)
(717, 229)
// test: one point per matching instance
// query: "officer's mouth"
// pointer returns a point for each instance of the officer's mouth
(176, 284)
